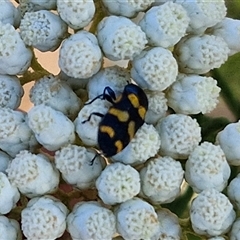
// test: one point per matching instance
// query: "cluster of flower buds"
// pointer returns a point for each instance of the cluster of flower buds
(168, 49)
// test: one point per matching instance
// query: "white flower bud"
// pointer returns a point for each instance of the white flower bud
(36, 5)
(88, 131)
(15, 58)
(169, 227)
(144, 145)
(32, 174)
(233, 191)
(203, 14)
(193, 94)
(157, 106)
(74, 163)
(8, 13)
(77, 14)
(57, 94)
(179, 135)
(9, 194)
(136, 219)
(15, 134)
(229, 140)
(165, 25)
(52, 128)
(42, 30)
(120, 38)
(11, 91)
(10, 229)
(161, 180)
(114, 77)
(126, 8)
(216, 238)
(4, 161)
(80, 56)
(118, 183)
(229, 30)
(44, 218)
(207, 167)
(89, 220)
(199, 54)
(235, 230)
(211, 213)
(154, 69)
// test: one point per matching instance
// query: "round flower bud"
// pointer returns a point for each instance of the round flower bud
(126, 8)
(74, 163)
(89, 220)
(207, 167)
(9, 14)
(32, 174)
(144, 145)
(229, 140)
(161, 180)
(157, 106)
(10, 229)
(136, 219)
(154, 69)
(36, 5)
(235, 230)
(4, 161)
(211, 213)
(165, 25)
(169, 227)
(229, 30)
(203, 14)
(199, 54)
(114, 77)
(44, 218)
(9, 195)
(57, 94)
(11, 91)
(87, 125)
(179, 135)
(193, 94)
(80, 56)
(233, 191)
(120, 38)
(12, 50)
(77, 14)
(15, 134)
(42, 30)
(118, 183)
(46, 122)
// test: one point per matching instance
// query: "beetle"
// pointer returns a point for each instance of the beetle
(126, 115)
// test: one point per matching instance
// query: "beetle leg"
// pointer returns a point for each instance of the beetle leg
(93, 113)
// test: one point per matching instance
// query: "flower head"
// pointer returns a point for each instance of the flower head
(89, 220)
(235, 230)
(211, 213)
(161, 179)
(4, 161)
(120, 38)
(179, 135)
(233, 191)
(43, 30)
(165, 25)
(193, 94)
(199, 54)
(80, 56)
(9, 228)
(154, 69)
(207, 167)
(118, 183)
(74, 163)
(44, 218)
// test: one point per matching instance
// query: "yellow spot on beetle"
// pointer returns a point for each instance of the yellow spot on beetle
(122, 116)
(119, 145)
(134, 100)
(108, 130)
(142, 112)
(131, 129)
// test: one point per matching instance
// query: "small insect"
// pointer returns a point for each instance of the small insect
(126, 115)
